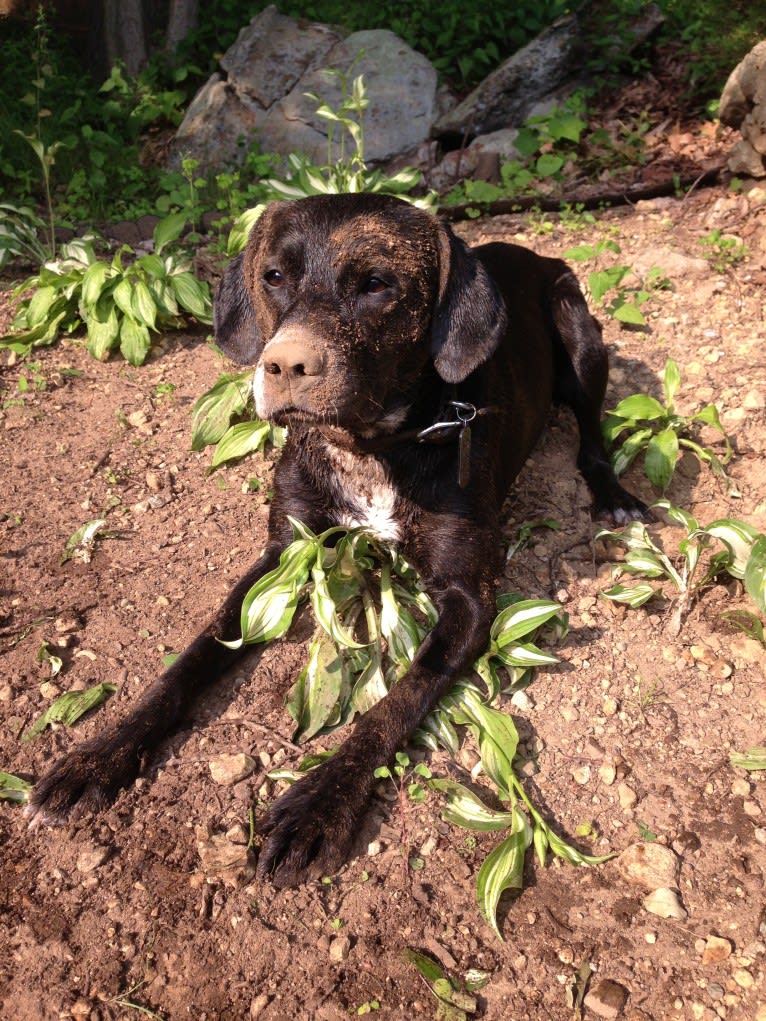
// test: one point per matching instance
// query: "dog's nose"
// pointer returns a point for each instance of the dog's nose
(292, 359)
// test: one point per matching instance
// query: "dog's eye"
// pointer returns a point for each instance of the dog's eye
(274, 278)
(374, 285)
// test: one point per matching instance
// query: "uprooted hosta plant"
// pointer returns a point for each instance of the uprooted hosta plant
(372, 615)
(224, 416)
(705, 552)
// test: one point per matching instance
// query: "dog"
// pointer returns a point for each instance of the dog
(415, 376)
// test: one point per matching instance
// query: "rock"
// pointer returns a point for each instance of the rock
(228, 769)
(401, 87)
(521, 700)
(258, 1005)
(743, 978)
(340, 948)
(268, 58)
(607, 774)
(649, 865)
(92, 858)
(221, 859)
(581, 775)
(743, 106)
(546, 64)
(627, 796)
(606, 999)
(275, 61)
(716, 950)
(665, 903)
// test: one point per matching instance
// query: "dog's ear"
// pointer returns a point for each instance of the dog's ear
(470, 318)
(236, 331)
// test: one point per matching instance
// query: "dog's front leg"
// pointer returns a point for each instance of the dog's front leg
(310, 830)
(90, 775)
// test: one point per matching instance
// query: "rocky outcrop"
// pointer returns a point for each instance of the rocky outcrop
(743, 106)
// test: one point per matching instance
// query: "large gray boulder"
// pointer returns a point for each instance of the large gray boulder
(260, 93)
(743, 106)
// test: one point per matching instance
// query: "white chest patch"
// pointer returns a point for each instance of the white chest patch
(364, 493)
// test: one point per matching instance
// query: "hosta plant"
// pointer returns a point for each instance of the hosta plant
(119, 301)
(705, 552)
(641, 424)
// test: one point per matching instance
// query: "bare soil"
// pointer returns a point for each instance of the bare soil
(126, 912)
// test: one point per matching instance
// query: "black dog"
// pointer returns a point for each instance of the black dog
(415, 376)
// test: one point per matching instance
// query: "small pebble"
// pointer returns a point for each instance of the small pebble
(229, 769)
(581, 775)
(340, 948)
(606, 999)
(665, 903)
(715, 950)
(743, 978)
(627, 796)
(92, 858)
(607, 774)
(522, 701)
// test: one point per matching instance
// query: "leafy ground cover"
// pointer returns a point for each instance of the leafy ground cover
(627, 740)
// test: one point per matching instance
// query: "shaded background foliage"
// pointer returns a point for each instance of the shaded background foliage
(106, 79)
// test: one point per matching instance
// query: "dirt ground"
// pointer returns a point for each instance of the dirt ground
(120, 916)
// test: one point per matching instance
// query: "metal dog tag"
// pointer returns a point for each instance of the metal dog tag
(464, 457)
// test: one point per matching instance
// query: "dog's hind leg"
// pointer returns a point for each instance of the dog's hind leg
(582, 368)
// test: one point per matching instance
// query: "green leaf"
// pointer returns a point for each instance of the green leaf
(548, 165)
(755, 574)
(83, 539)
(521, 619)
(215, 409)
(464, 808)
(69, 707)
(314, 699)
(633, 595)
(193, 295)
(754, 758)
(641, 407)
(627, 453)
(144, 307)
(39, 306)
(269, 606)
(240, 231)
(525, 655)
(739, 537)
(324, 607)
(93, 281)
(671, 380)
(134, 341)
(240, 440)
(13, 788)
(168, 229)
(746, 622)
(628, 312)
(503, 869)
(397, 624)
(678, 514)
(123, 296)
(661, 457)
(643, 562)
(103, 336)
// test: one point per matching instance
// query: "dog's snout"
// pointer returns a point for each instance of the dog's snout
(292, 360)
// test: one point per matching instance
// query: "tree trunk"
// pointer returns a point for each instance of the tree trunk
(124, 36)
(182, 18)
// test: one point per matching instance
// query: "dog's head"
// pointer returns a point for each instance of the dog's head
(342, 301)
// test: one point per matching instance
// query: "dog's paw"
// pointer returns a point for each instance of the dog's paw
(310, 831)
(624, 509)
(86, 780)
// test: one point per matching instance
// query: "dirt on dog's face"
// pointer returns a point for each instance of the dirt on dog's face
(343, 299)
